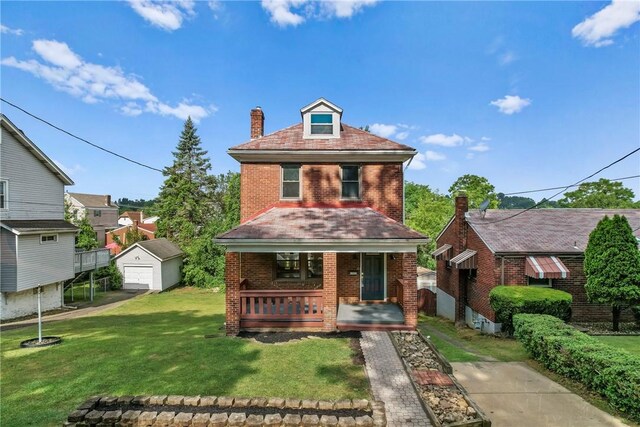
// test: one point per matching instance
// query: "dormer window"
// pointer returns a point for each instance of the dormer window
(321, 120)
(321, 124)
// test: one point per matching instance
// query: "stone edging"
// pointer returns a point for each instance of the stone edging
(484, 421)
(211, 411)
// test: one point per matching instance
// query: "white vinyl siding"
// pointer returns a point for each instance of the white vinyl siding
(39, 264)
(164, 274)
(171, 272)
(138, 276)
(35, 192)
(8, 270)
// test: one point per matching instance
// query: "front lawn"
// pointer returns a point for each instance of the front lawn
(629, 343)
(155, 345)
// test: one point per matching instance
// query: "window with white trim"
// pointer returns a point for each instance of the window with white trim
(97, 212)
(290, 182)
(542, 283)
(322, 124)
(4, 194)
(48, 238)
(350, 182)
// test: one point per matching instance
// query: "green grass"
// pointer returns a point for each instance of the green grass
(473, 345)
(81, 293)
(629, 343)
(155, 345)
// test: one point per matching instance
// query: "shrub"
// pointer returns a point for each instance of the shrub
(612, 372)
(636, 314)
(112, 272)
(507, 301)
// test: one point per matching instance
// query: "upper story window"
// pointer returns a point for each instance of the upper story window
(4, 194)
(322, 124)
(290, 182)
(350, 181)
(97, 212)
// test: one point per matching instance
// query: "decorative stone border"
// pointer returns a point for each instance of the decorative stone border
(35, 342)
(223, 411)
(442, 378)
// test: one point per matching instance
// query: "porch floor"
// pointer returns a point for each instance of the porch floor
(370, 314)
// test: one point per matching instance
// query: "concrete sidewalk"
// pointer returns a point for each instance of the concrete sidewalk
(74, 314)
(512, 394)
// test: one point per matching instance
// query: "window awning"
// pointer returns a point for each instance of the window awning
(465, 260)
(443, 252)
(545, 267)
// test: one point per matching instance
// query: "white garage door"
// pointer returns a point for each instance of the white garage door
(138, 277)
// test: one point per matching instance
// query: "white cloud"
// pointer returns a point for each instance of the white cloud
(480, 147)
(598, 29)
(383, 130)
(71, 171)
(295, 12)
(485, 138)
(445, 140)
(511, 104)
(418, 162)
(66, 71)
(216, 7)
(433, 156)
(167, 15)
(507, 58)
(401, 136)
(15, 31)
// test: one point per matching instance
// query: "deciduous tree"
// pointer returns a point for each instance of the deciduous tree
(477, 188)
(604, 194)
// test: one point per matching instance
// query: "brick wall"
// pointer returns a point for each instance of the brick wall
(410, 290)
(349, 286)
(330, 290)
(232, 296)
(381, 187)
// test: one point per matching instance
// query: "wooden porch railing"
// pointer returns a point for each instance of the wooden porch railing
(400, 292)
(281, 306)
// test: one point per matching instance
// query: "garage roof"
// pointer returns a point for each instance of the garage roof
(162, 249)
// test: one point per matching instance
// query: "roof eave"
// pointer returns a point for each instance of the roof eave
(276, 156)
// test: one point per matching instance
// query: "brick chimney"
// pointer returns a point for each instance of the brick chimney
(257, 123)
(108, 199)
(462, 206)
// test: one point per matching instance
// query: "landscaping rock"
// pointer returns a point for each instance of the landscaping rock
(147, 418)
(415, 351)
(112, 416)
(309, 404)
(329, 421)
(310, 421)
(192, 401)
(259, 402)
(274, 420)
(225, 402)
(164, 419)
(183, 419)
(292, 403)
(276, 402)
(342, 404)
(175, 400)
(291, 420)
(218, 420)
(130, 418)
(125, 400)
(208, 400)
(93, 417)
(325, 405)
(241, 402)
(200, 420)
(89, 403)
(141, 400)
(77, 415)
(158, 400)
(108, 401)
(236, 419)
(346, 422)
(364, 421)
(254, 421)
(362, 404)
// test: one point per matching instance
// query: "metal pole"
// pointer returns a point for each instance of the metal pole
(39, 316)
(91, 287)
(71, 291)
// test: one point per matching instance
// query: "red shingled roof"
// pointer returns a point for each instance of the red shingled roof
(329, 224)
(350, 139)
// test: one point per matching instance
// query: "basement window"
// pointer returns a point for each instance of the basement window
(321, 124)
(541, 283)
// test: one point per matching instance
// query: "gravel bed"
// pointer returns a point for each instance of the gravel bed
(447, 402)
(604, 328)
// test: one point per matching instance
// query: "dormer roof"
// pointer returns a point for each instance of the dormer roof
(319, 102)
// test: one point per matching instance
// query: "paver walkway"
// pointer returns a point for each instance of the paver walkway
(390, 382)
(74, 314)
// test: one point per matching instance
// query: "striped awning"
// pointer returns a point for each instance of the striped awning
(545, 267)
(465, 260)
(443, 252)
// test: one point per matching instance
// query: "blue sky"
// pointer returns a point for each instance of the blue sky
(529, 95)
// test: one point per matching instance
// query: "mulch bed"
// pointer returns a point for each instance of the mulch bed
(283, 337)
(357, 356)
(604, 328)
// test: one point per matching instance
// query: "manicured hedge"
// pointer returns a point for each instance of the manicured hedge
(507, 301)
(636, 314)
(612, 372)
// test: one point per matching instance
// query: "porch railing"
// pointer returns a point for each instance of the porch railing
(281, 306)
(90, 260)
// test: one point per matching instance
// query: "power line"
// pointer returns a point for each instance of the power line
(561, 191)
(80, 138)
(569, 186)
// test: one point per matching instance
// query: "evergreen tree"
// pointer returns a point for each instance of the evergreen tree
(184, 203)
(612, 266)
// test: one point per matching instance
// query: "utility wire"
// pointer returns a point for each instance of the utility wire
(79, 138)
(559, 192)
(569, 186)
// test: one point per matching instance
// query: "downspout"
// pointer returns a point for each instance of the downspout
(502, 270)
(403, 189)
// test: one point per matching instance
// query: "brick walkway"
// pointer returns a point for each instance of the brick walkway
(390, 383)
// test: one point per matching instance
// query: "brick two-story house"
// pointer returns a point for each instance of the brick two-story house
(478, 251)
(321, 230)
(98, 208)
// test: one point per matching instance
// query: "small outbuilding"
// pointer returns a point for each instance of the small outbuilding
(150, 264)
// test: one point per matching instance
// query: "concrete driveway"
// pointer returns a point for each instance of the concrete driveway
(512, 394)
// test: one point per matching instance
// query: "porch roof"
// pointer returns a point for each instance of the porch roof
(322, 226)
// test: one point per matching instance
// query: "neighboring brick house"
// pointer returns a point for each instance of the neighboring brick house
(130, 217)
(98, 208)
(146, 230)
(539, 247)
(321, 228)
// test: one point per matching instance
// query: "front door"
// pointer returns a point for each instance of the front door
(372, 277)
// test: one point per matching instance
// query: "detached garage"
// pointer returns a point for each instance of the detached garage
(150, 264)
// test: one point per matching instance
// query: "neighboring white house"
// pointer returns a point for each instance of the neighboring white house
(37, 245)
(150, 264)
